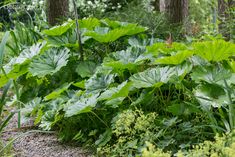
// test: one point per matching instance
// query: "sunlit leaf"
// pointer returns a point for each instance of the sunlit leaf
(216, 50)
(59, 30)
(89, 23)
(175, 59)
(104, 35)
(163, 48)
(17, 71)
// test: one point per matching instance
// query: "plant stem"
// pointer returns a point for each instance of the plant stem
(99, 118)
(19, 106)
(78, 31)
(231, 109)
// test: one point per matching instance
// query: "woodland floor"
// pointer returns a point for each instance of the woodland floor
(39, 144)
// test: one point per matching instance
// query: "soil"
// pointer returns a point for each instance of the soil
(36, 144)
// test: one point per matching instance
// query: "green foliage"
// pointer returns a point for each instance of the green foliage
(49, 63)
(128, 90)
(214, 50)
(152, 77)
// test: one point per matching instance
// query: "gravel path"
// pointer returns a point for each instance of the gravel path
(40, 144)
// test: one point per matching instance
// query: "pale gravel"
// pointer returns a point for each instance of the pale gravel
(41, 144)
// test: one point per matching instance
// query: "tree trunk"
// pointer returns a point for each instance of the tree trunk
(57, 11)
(177, 10)
(226, 17)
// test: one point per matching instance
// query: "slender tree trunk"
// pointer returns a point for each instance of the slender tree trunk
(57, 11)
(223, 16)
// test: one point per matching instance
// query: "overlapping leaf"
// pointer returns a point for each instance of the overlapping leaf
(99, 82)
(175, 59)
(56, 93)
(50, 62)
(86, 68)
(163, 48)
(152, 77)
(116, 95)
(59, 30)
(89, 23)
(211, 95)
(80, 104)
(17, 71)
(129, 59)
(216, 50)
(113, 35)
(211, 74)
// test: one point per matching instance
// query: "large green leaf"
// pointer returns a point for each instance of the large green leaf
(116, 95)
(113, 24)
(86, 68)
(56, 93)
(210, 74)
(216, 50)
(152, 77)
(163, 48)
(99, 82)
(211, 95)
(81, 103)
(59, 30)
(49, 114)
(26, 54)
(89, 23)
(175, 59)
(128, 59)
(112, 35)
(50, 62)
(17, 71)
(182, 109)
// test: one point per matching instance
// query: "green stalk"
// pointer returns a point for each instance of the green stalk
(78, 31)
(231, 108)
(19, 106)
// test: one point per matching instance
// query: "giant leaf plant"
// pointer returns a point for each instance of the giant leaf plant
(155, 77)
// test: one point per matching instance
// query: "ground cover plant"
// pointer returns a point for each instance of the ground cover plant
(128, 93)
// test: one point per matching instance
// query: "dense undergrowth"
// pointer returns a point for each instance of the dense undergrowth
(132, 95)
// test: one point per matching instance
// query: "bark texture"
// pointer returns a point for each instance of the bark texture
(57, 10)
(225, 16)
(177, 10)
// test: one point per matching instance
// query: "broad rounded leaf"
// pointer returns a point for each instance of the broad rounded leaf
(99, 82)
(216, 50)
(50, 62)
(80, 104)
(211, 95)
(112, 35)
(152, 77)
(210, 74)
(86, 68)
(175, 59)
(59, 30)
